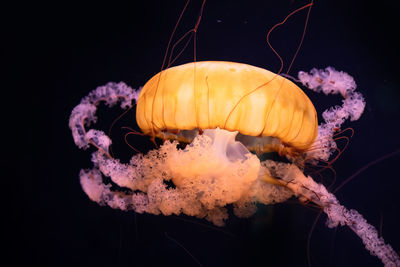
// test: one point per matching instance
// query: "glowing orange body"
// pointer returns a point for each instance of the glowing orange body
(231, 96)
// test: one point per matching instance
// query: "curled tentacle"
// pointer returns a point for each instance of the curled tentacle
(331, 81)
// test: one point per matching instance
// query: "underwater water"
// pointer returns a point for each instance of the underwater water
(73, 49)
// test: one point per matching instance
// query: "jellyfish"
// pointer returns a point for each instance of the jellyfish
(226, 114)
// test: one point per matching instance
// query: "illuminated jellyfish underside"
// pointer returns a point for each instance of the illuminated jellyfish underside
(215, 169)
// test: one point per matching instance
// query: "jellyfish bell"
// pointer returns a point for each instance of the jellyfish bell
(223, 110)
(231, 96)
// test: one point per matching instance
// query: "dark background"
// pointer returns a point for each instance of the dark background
(54, 54)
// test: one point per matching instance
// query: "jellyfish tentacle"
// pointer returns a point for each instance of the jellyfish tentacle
(306, 188)
(92, 184)
(331, 81)
(84, 114)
